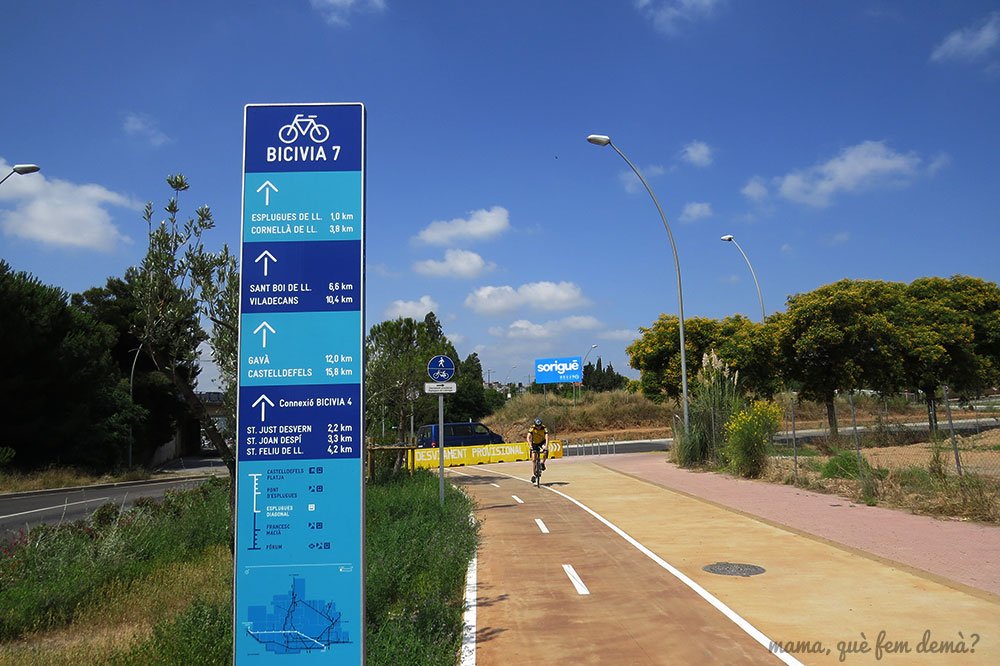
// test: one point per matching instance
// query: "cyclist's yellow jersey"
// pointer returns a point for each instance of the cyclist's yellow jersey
(537, 435)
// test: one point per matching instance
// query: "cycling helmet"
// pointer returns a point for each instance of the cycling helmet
(538, 422)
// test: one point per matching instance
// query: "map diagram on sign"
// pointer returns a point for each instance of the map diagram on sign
(296, 624)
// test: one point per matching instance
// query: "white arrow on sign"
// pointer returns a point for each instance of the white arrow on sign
(262, 400)
(267, 187)
(263, 329)
(265, 255)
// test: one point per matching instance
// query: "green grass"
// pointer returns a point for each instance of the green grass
(417, 556)
(179, 612)
(53, 571)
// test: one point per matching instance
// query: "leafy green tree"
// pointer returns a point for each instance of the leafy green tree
(750, 348)
(841, 337)
(396, 356)
(598, 378)
(178, 285)
(115, 306)
(656, 353)
(469, 402)
(952, 330)
(67, 402)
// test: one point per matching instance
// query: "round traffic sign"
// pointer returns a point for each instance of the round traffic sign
(441, 368)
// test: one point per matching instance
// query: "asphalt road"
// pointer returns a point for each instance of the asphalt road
(19, 511)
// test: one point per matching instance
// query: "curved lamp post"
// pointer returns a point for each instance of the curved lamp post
(729, 239)
(601, 140)
(21, 169)
(582, 366)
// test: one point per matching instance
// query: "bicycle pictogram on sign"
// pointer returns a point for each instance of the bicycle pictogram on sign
(303, 125)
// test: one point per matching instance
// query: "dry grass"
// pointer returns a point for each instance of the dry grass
(126, 614)
(61, 477)
(909, 477)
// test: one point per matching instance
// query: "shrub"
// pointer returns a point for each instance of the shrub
(714, 399)
(748, 437)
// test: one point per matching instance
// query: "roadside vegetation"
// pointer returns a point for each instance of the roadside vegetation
(620, 414)
(12, 481)
(152, 585)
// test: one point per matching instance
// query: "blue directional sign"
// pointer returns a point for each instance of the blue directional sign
(441, 368)
(299, 479)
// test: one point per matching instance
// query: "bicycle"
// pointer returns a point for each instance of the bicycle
(536, 476)
(302, 125)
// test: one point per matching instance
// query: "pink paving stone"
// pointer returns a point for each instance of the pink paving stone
(963, 552)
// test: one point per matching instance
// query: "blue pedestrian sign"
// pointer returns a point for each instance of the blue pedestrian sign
(441, 368)
(299, 560)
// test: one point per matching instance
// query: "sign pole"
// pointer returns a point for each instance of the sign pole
(441, 447)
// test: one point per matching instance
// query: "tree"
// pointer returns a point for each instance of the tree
(396, 356)
(469, 401)
(656, 353)
(841, 337)
(952, 336)
(179, 284)
(598, 378)
(750, 348)
(150, 389)
(67, 402)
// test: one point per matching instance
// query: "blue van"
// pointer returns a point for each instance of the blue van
(457, 434)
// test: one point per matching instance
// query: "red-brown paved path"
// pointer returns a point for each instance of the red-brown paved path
(837, 603)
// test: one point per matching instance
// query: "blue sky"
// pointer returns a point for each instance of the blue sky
(832, 139)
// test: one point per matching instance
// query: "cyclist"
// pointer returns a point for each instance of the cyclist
(538, 440)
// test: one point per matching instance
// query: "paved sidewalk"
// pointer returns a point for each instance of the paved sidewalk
(953, 552)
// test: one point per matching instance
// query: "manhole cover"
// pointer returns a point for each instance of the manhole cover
(733, 569)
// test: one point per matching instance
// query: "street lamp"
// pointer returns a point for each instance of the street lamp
(21, 169)
(582, 366)
(507, 380)
(601, 140)
(729, 239)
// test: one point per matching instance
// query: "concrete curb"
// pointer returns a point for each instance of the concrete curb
(98, 486)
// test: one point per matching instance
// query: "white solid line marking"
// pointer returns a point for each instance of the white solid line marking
(57, 506)
(518, 499)
(469, 618)
(574, 578)
(751, 630)
(541, 526)
(495, 485)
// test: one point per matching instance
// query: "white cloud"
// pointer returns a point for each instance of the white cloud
(480, 224)
(732, 278)
(865, 165)
(456, 263)
(840, 238)
(970, 44)
(755, 190)
(669, 15)
(621, 334)
(337, 11)
(412, 309)
(146, 128)
(61, 213)
(631, 182)
(696, 211)
(525, 329)
(537, 295)
(697, 153)
(456, 338)
(940, 162)
(787, 249)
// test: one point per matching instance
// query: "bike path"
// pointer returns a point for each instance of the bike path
(621, 607)
(830, 604)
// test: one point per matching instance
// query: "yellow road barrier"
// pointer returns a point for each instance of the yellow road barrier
(457, 456)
